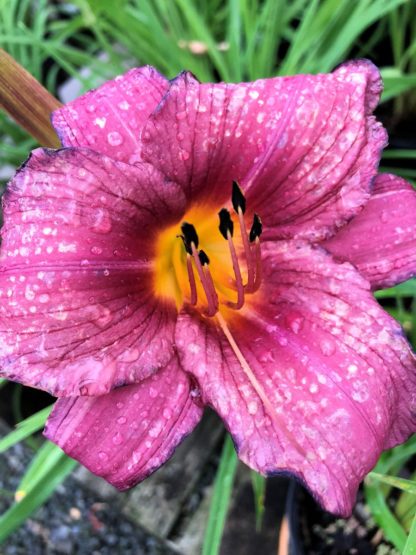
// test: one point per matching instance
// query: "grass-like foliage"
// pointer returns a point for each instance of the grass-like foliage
(232, 40)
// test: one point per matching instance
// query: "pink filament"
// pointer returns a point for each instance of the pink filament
(257, 281)
(237, 273)
(247, 251)
(191, 277)
(207, 284)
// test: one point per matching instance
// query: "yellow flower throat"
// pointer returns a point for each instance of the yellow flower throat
(199, 260)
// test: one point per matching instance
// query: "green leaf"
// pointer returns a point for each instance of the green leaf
(406, 289)
(396, 482)
(259, 489)
(220, 499)
(410, 547)
(25, 428)
(48, 469)
(383, 516)
(396, 83)
(400, 154)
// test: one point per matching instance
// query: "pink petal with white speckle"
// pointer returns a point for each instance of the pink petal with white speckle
(303, 148)
(77, 313)
(110, 119)
(381, 240)
(127, 434)
(331, 380)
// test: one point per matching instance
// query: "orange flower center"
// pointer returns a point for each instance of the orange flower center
(202, 261)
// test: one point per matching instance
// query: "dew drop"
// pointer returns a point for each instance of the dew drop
(327, 347)
(184, 155)
(103, 316)
(102, 455)
(96, 250)
(195, 392)
(117, 439)
(102, 222)
(114, 138)
(167, 413)
(384, 216)
(153, 392)
(121, 420)
(295, 322)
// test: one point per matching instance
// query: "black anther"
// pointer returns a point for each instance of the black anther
(226, 224)
(256, 228)
(237, 198)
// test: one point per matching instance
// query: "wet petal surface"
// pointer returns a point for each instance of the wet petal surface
(127, 434)
(381, 240)
(77, 312)
(303, 148)
(109, 119)
(329, 377)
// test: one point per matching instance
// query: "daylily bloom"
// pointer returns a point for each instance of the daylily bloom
(214, 244)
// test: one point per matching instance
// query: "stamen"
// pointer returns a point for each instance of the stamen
(209, 290)
(239, 204)
(257, 280)
(247, 253)
(205, 266)
(226, 228)
(191, 277)
(197, 259)
(255, 232)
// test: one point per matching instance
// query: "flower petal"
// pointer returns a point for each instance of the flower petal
(77, 313)
(328, 380)
(381, 240)
(304, 148)
(127, 434)
(110, 119)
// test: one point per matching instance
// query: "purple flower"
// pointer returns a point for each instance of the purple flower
(214, 244)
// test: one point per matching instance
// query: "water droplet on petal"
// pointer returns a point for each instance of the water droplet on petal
(103, 316)
(184, 155)
(114, 138)
(102, 455)
(117, 439)
(153, 392)
(295, 321)
(327, 347)
(102, 222)
(384, 216)
(121, 420)
(96, 250)
(167, 413)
